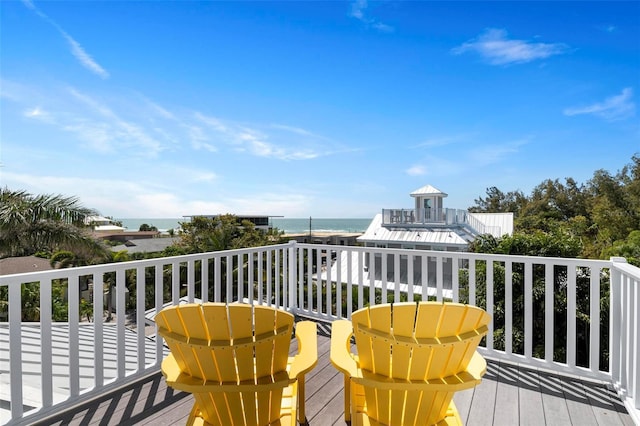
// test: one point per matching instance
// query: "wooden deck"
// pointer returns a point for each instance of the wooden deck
(508, 395)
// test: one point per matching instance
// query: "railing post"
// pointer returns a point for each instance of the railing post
(616, 319)
(292, 276)
(15, 348)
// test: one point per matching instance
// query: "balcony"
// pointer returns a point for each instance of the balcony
(422, 218)
(553, 331)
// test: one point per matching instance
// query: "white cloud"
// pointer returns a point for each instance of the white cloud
(491, 154)
(39, 113)
(76, 49)
(608, 28)
(84, 58)
(417, 170)
(617, 107)
(97, 135)
(495, 46)
(109, 130)
(358, 8)
(292, 129)
(250, 139)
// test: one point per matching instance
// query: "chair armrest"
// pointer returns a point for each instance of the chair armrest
(341, 332)
(307, 356)
(477, 366)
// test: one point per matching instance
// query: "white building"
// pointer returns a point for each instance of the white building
(426, 226)
(430, 226)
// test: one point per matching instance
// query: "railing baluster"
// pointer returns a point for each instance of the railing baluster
(624, 333)
(360, 280)
(204, 279)
(472, 281)
(384, 259)
(397, 279)
(269, 274)
(594, 316)
(15, 347)
(455, 279)
(140, 320)
(240, 282)
(229, 278)
(46, 347)
(121, 314)
(73, 290)
(372, 277)
(319, 302)
(310, 305)
(175, 282)
(548, 312)
(338, 283)
(425, 277)
(260, 281)
(278, 274)
(508, 307)
(250, 282)
(439, 277)
(571, 314)
(159, 302)
(410, 277)
(349, 283)
(489, 301)
(528, 309)
(217, 280)
(301, 277)
(328, 283)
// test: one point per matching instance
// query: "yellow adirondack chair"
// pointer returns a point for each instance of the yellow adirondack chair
(411, 358)
(235, 361)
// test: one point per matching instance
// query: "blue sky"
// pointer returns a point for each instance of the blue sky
(324, 109)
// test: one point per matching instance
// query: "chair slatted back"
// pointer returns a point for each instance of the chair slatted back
(415, 342)
(231, 345)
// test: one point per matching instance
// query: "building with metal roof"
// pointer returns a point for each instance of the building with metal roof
(430, 226)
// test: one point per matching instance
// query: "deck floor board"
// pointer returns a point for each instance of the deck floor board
(508, 395)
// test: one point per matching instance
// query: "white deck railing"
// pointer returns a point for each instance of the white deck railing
(547, 311)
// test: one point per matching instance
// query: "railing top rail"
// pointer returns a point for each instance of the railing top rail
(466, 255)
(621, 264)
(132, 264)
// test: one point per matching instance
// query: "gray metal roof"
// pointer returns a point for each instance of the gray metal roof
(146, 245)
(427, 190)
(446, 236)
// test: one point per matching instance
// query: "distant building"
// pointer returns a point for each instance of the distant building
(102, 225)
(260, 221)
(430, 226)
(332, 238)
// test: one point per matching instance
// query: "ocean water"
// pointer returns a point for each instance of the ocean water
(289, 226)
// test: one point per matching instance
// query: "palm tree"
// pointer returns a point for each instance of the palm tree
(29, 224)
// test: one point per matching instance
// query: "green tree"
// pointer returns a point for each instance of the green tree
(628, 248)
(42, 223)
(499, 202)
(614, 205)
(145, 227)
(225, 232)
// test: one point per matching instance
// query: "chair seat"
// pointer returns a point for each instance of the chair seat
(195, 418)
(361, 418)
